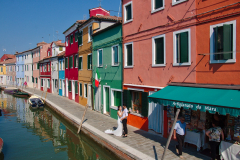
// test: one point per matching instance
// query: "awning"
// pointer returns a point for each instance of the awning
(223, 101)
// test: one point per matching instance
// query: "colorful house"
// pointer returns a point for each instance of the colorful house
(155, 53)
(71, 60)
(11, 71)
(56, 48)
(6, 57)
(3, 77)
(97, 22)
(61, 74)
(20, 68)
(107, 64)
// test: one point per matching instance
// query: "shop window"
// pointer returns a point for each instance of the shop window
(128, 55)
(157, 5)
(128, 12)
(100, 58)
(158, 53)
(89, 64)
(115, 56)
(223, 42)
(182, 47)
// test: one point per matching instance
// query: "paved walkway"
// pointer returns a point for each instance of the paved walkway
(139, 144)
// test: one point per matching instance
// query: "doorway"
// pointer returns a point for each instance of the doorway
(89, 99)
(106, 103)
(63, 88)
(73, 90)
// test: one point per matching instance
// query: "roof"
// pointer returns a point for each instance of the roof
(61, 54)
(59, 43)
(17, 53)
(13, 60)
(105, 29)
(9, 55)
(77, 22)
(47, 57)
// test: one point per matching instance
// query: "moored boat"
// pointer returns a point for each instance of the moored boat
(21, 94)
(35, 102)
(10, 90)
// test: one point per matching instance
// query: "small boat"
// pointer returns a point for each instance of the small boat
(35, 102)
(1, 145)
(21, 94)
(10, 90)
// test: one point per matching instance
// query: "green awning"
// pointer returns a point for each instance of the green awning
(223, 101)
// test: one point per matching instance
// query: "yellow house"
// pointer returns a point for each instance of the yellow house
(2, 73)
(94, 24)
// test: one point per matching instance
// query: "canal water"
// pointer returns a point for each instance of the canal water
(43, 135)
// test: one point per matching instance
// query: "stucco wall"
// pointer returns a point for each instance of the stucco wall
(54, 74)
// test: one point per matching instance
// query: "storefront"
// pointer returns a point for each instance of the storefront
(200, 105)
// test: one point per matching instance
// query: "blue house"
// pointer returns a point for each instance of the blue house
(20, 67)
(61, 74)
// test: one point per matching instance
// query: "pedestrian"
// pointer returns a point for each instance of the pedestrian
(124, 120)
(25, 84)
(214, 138)
(179, 134)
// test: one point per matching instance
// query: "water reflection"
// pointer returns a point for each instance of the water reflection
(41, 134)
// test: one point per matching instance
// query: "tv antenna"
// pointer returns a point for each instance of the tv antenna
(100, 3)
(57, 34)
(84, 17)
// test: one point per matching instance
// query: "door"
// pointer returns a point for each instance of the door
(106, 100)
(155, 116)
(98, 103)
(89, 99)
(52, 85)
(73, 90)
(66, 87)
(63, 88)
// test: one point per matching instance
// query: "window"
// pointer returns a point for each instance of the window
(42, 82)
(76, 36)
(60, 48)
(1, 69)
(174, 2)
(48, 83)
(69, 86)
(85, 90)
(128, 14)
(71, 39)
(36, 80)
(182, 47)
(117, 98)
(115, 56)
(48, 67)
(41, 68)
(76, 87)
(223, 42)
(48, 53)
(22, 68)
(80, 38)
(128, 55)
(80, 63)
(56, 83)
(66, 62)
(32, 79)
(60, 66)
(37, 65)
(157, 5)
(66, 41)
(60, 84)
(63, 64)
(158, 51)
(76, 61)
(89, 63)
(100, 58)
(90, 32)
(71, 62)
(80, 89)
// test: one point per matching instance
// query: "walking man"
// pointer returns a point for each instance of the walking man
(124, 120)
(179, 134)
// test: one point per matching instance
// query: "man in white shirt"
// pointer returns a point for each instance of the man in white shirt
(179, 134)
(124, 120)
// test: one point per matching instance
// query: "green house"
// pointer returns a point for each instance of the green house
(107, 64)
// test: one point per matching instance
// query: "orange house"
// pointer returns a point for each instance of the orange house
(218, 36)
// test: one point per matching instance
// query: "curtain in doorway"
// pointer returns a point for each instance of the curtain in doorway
(89, 99)
(98, 103)
(155, 117)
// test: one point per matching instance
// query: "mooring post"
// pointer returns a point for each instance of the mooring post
(170, 135)
(45, 96)
(79, 129)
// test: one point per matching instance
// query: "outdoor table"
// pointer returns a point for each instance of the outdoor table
(229, 151)
(196, 138)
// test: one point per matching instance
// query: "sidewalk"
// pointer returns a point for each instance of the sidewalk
(138, 145)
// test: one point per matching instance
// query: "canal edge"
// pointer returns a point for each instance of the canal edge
(122, 150)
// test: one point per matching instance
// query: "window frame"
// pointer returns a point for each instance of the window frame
(189, 48)
(174, 2)
(125, 55)
(81, 63)
(99, 59)
(130, 20)
(113, 55)
(76, 60)
(81, 37)
(71, 37)
(112, 96)
(89, 37)
(76, 39)
(80, 93)
(48, 80)
(233, 60)
(87, 61)
(85, 90)
(153, 51)
(158, 9)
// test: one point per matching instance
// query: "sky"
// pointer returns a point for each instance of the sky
(24, 23)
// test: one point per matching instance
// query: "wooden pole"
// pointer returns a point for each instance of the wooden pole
(170, 135)
(45, 96)
(79, 128)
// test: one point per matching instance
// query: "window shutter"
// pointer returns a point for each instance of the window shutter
(127, 98)
(37, 65)
(89, 61)
(69, 86)
(76, 87)
(117, 98)
(145, 104)
(159, 51)
(66, 63)
(227, 41)
(216, 56)
(80, 63)
(115, 55)
(70, 62)
(75, 61)
(100, 57)
(184, 47)
(129, 55)
(80, 38)
(129, 12)
(158, 4)
(80, 89)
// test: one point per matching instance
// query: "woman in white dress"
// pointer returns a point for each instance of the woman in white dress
(118, 131)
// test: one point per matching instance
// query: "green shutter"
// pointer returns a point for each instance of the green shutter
(129, 12)
(86, 95)
(80, 38)
(100, 56)
(227, 41)
(76, 36)
(117, 98)
(76, 87)
(80, 89)
(127, 98)
(158, 4)
(32, 79)
(69, 86)
(115, 49)
(145, 104)
(37, 65)
(80, 63)
(70, 62)
(129, 55)
(89, 61)
(66, 62)
(159, 51)
(184, 47)
(36, 80)
(216, 56)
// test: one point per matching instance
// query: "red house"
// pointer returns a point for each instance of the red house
(45, 72)
(6, 57)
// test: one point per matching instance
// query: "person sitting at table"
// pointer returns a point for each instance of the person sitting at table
(214, 138)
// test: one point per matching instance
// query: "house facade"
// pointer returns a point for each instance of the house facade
(11, 71)
(107, 62)
(94, 24)
(20, 68)
(56, 47)
(3, 76)
(35, 67)
(61, 74)
(156, 52)
(28, 68)
(45, 74)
